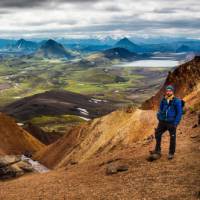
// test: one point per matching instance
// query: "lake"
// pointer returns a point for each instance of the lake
(150, 63)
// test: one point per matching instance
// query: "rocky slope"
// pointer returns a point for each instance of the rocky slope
(163, 179)
(14, 139)
(102, 135)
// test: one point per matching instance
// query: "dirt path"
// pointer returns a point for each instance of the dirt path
(178, 179)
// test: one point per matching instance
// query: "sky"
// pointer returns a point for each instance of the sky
(100, 18)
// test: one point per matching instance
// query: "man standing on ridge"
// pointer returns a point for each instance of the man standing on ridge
(169, 116)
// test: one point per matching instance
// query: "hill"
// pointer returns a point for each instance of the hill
(102, 135)
(127, 44)
(52, 49)
(14, 139)
(25, 45)
(108, 56)
(58, 102)
(119, 53)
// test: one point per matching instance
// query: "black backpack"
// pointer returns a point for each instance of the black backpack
(182, 103)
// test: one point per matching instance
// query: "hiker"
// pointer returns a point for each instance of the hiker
(169, 116)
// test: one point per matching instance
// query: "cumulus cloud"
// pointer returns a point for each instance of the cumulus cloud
(64, 18)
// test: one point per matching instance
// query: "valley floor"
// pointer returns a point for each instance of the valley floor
(178, 179)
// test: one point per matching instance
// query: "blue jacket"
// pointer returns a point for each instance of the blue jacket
(170, 112)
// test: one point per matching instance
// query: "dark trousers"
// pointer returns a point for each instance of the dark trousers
(162, 127)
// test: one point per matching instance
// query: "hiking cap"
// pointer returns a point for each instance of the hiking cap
(170, 87)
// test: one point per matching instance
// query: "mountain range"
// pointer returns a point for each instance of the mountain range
(62, 48)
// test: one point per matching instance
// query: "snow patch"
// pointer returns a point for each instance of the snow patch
(86, 119)
(20, 124)
(83, 111)
(93, 100)
(35, 164)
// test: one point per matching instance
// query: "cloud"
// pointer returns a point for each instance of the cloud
(37, 3)
(21, 18)
(20, 3)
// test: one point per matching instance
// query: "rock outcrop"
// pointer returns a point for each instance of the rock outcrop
(12, 166)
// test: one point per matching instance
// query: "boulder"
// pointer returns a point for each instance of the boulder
(111, 170)
(12, 166)
(8, 160)
(115, 168)
(26, 167)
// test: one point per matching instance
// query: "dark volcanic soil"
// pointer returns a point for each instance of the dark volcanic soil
(57, 103)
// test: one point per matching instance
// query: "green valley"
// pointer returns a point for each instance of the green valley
(22, 77)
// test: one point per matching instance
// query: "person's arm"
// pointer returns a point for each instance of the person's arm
(160, 109)
(161, 105)
(179, 112)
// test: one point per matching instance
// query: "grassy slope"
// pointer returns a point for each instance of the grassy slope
(28, 77)
(57, 123)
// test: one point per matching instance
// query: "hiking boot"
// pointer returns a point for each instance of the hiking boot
(170, 156)
(154, 155)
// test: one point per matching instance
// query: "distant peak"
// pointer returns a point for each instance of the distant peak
(125, 39)
(51, 41)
